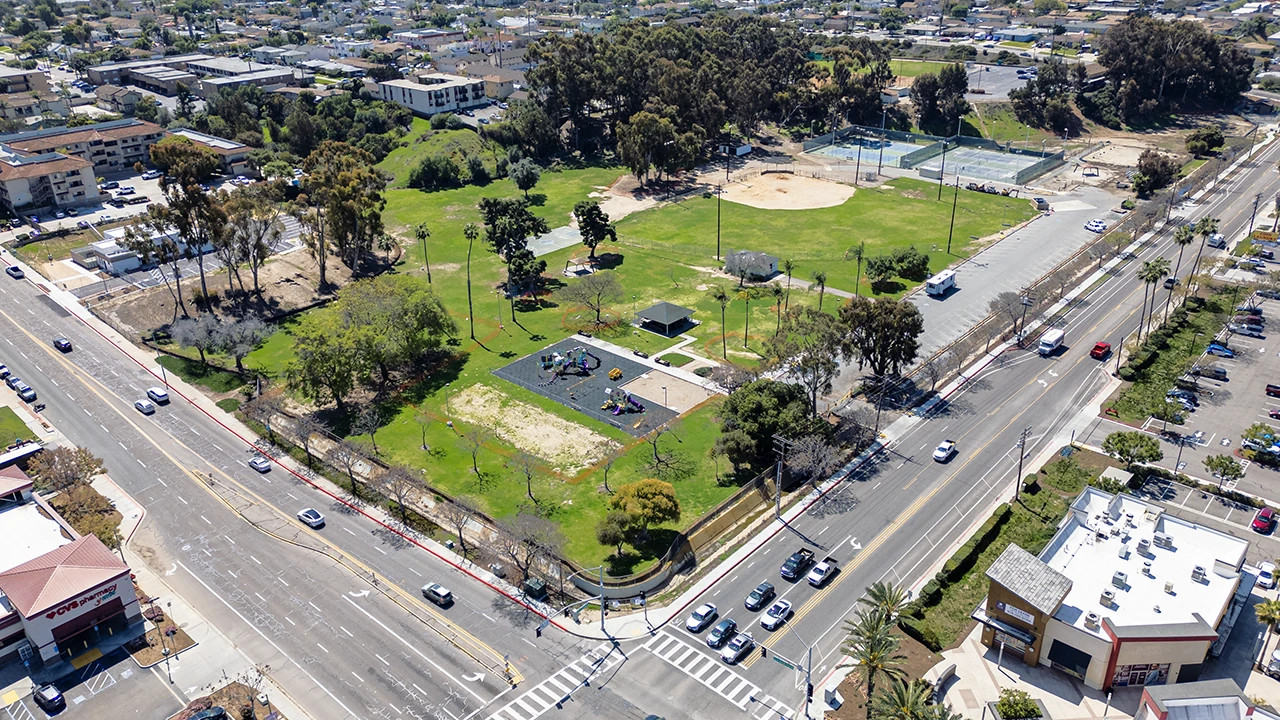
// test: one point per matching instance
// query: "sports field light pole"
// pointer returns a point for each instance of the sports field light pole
(884, 114)
(955, 197)
(942, 170)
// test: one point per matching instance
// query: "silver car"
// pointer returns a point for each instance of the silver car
(311, 517)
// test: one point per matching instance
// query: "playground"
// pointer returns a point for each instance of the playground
(593, 382)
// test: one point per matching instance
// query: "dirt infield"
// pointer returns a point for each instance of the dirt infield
(566, 445)
(784, 191)
(1118, 153)
(680, 395)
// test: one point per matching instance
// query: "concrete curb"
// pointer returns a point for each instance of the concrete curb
(172, 655)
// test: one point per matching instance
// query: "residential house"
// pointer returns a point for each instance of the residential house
(118, 99)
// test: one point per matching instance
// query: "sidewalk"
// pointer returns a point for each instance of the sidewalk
(214, 659)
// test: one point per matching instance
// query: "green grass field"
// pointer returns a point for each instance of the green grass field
(1001, 125)
(423, 142)
(219, 381)
(662, 254)
(902, 213)
(12, 428)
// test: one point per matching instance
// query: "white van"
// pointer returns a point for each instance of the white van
(1051, 341)
(1216, 240)
(940, 284)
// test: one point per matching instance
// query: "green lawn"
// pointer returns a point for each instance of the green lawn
(1016, 44)
(902, 213)
(60, 248)
(12, 428)
(219, 381)
(1001, 125)
(422, 142)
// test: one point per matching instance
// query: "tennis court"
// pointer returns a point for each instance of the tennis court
(981, 164)
(872, 148)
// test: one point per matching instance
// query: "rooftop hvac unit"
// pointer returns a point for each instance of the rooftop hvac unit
(1128, 518)
(1107, 598)
(1091, 620)
(1146, 568)
(1120, 579)
(1197, 573)
(1144, 547)
(1163, 540)
(1123, 552)
(1168, 587)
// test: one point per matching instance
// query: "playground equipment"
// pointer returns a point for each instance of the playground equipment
(615, 374)
(620, 401)
(575, 361)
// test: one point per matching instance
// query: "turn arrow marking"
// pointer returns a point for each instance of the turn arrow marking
(362, 593)
(474, 678)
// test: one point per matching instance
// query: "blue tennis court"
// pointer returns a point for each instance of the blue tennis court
(872, 148)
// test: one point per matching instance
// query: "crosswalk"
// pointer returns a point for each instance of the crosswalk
(717, 676)
(547, 693)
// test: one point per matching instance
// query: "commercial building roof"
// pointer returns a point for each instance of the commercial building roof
(42, 583)
(218, 144)
(29, 533)
(248, 77)
(1131, 548)
(12, 479)
(171, 60)
(1040, 585)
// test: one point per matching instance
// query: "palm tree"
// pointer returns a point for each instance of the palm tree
(422, 232)
(1182, 237)
(471, 232)
(1159, 271)
(788, 266)
(858, 252)
(873, 649)
(746, 294)
(885, 598)
(1149, 274)
(820, 278)
(777, 292)
(1206, 227)
(1268, 612)
(904, 700)
(718, 294)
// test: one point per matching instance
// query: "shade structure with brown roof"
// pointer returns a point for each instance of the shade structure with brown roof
(49, 580)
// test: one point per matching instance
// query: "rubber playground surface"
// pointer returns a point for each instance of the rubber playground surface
(585, 390)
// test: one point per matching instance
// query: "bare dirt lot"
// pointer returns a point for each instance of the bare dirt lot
(679, 395)
(568, 446)
(784, 191)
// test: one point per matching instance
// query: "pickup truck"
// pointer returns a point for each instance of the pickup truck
(795, 565)
(822, 572)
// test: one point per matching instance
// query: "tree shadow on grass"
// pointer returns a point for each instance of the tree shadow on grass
(645, 547)
(537, 199)
(609, 261)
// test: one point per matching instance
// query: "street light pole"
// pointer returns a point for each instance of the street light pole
(1022, 451)
(955, 198)
(719, 191)
(883, 114)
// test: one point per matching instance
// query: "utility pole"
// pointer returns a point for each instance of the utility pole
(1256, 198)
(780, 445)
(955, 197)
(1022, 326)
(858, 167)
(1022, 451)
(884, 113)
(942, 170)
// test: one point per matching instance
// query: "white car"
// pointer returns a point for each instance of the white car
(260, 464)
(1096, 226)
(144, 406)
(158, 395)
(701, 618)
(776, 615)
(1267, 575)
(944, 451)
(311, 517)
(740, 645)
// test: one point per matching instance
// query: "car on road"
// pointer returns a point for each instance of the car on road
(776, 615)
(702, 617)
(1265, 521)
(1100, 350)
(1267, 575)
(158, 395)
(822, 572)
(4, 370)
(1170, 283)
(1096, 226)
(13, 381)
(438, 594)
(49, 699)
(260, 463)
(27, 393)
(311, 517)
(721, 633)
(15, 272)
(59, 215)
(760, 597)
(737, 648)
(1220, 350)
(109, 185)
(793, 567)
(62, 344)
(146, 407)
(944, 451)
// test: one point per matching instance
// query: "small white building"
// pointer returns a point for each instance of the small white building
(351, 48)
(428, 38)
(433, 93)
(114, 257)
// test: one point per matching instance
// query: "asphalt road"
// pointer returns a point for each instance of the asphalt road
(337, 612)
(893, 520)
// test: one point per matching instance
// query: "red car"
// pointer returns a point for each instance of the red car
(1264, 521)
(1100, 351)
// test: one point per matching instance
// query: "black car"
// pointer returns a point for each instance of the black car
(14, 272)
(62, 344)
(722, 632)
(760, 597)
(13, 381)
(49, 699)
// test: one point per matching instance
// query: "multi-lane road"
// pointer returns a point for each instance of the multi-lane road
(337, 615)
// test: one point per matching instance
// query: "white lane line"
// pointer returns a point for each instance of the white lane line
(415, 572)
(141, 463)
(824, 529)
(357, 676)
(322, 647)
(233, 542)
(414, 648)
(206, 552)
(313, 605)
(384, 662)
(286, 619)
(184, 502)
(348, 632)
(205, 519)
(255, 559)
(104, 428)
(347, 531)
(282, 582)
(375, 547)
(86, 412)
(260, 597)
(157, 479)
(122, 446)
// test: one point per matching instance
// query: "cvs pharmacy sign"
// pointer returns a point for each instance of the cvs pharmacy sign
(92, 599)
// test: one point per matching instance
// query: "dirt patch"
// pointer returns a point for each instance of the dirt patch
(1120, 152)
(919, 661)
(913, 194)
(568, 446)
(150, 649)
(232, 697)
(784, 191)
(668, 390)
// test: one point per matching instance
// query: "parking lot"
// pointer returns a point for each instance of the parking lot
(112, 686)
(994, 81)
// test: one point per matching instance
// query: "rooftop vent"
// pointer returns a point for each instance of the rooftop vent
(1091, 620)
(1144, 547)
(1108, 597)
(1146, 568)
(1197, 573)
(1120, 579)
(1123, 552)
(1168, 587)
(1163, 540)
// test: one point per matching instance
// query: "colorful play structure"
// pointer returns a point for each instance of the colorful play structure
(577, 361)
(620, 401)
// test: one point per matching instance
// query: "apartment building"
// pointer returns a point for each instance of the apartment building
(15, 80)
(428, 38)
(434, 93)
(47, 180)
(122, 73)
(111, 147)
